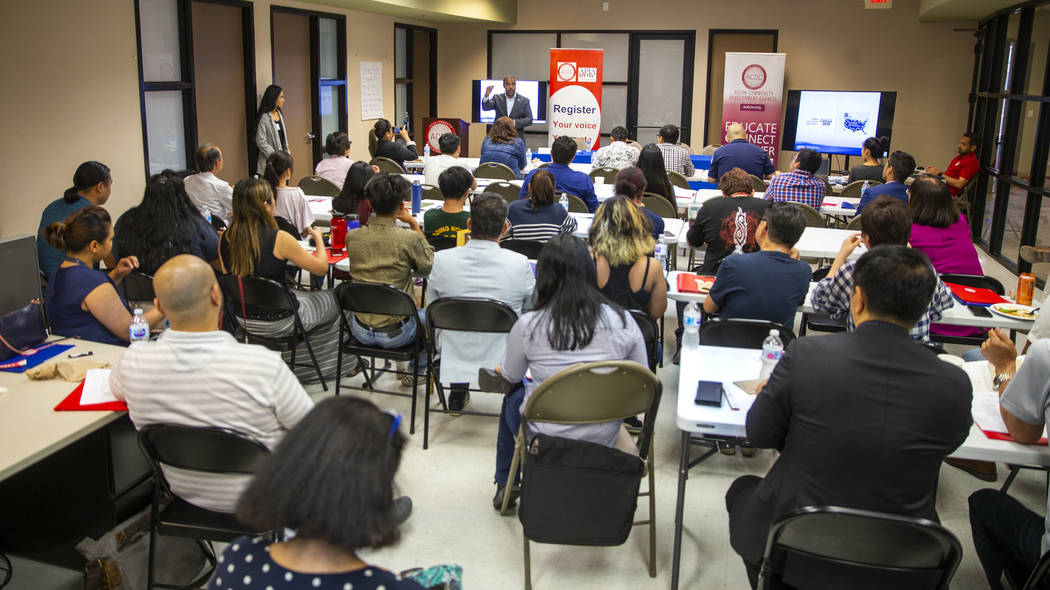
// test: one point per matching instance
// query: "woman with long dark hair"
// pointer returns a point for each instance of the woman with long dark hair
(627, 273)
(164, 225)
(571, 323)
(504, 146)
(271, 133)
(651, 161)
(871, 153)
(381, 144)
(81, 301)
(289, 201)
(92, 184)
(352, 199)
(539, 217)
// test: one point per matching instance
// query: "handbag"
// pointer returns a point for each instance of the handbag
(21, 330)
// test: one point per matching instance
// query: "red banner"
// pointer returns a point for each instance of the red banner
(576, 95)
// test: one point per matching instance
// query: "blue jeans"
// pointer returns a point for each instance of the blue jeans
(509, 424)
(974, 354)
(370, 337)
(1007, 536)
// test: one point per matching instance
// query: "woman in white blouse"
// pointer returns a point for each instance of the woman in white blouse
(289, 201)
(337, 162)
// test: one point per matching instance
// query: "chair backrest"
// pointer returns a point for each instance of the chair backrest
(758, 184)
(430, 192)
(741, 333)
(315, 185)
(651, 334)
(709, 149)
(528, 248)
(1039, 574)
(440, 244)
(828, 189)
(660, 205)
(677, 179)
(544, 165)
(494, 170)
(854, 224)
(470, 314)
(375, 298)
(576, 204)
(821, 273)
(508, 191)
(206, 449)
(387, 165)
(813, 217)
(605, 172)
(855, 189)
(981, 281)
(138, 286)
(865, 539)
(258, 298)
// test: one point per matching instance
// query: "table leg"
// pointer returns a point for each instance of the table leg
(683, 475)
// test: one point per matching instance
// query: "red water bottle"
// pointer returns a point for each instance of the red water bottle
(338, 234)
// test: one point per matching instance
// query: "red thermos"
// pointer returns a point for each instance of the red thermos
(338, 234)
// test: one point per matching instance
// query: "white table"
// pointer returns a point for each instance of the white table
(833, 206)
(816, 242)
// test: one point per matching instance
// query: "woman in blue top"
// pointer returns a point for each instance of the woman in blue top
(81, 301)
(504, 146)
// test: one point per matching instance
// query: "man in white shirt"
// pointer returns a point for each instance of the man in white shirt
(197, 375)
(209, 193)
(618, 154)
(449, 144)
(479, 269)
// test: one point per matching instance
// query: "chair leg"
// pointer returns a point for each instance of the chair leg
(339, 363)
(313, 358)
(1014, 470)
(652, 513)
(528, 561)
(152, 546)
(415, 389)
(519, 445)
(426, 405)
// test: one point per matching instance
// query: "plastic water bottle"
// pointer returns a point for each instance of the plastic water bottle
(864, 187)
(691, 325)
(528, 156)
(138, 331)
(661, 254)
(772, 350)
(426, 150)
(564, 201)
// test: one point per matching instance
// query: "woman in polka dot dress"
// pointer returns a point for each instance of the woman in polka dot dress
(338, 501)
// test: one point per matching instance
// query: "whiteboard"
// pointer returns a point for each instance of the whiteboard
(371, 90)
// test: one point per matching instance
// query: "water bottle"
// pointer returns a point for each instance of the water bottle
(138, 331)
(338, 225)
(564, 201)
(417, 197)
(772, 350)
(528, 156)
(691, 325)
(426, 150)
(661, 254)
(864, 187)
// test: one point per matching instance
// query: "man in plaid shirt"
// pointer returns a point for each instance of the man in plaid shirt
(885, 221)
(801, 185)
(676, 158)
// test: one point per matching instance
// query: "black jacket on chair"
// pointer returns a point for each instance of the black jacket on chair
(862, 419)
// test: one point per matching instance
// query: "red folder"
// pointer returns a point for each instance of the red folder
(691, 283)
(1003, 436)
(975, 295)
(72, 403)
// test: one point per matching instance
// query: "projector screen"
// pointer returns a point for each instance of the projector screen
(836, 122)
(535, 91)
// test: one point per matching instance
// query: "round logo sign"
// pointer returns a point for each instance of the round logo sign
(566, 71)
(754, 77)
(434, 133)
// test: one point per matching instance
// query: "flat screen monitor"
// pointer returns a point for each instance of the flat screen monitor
(836, 121)
(534, 90)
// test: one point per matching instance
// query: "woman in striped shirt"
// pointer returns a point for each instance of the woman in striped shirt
(539, 217)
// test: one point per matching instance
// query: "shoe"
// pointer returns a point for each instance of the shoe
(405, 379)
(497, 500)
(457, 400)
(748, 450)
(402, 509)
(982, 470)
(633, 424)
(727, 449)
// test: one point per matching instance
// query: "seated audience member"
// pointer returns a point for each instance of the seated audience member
(630, 182)
(881, 451)
(801, 185)
(870, 167)
(164, 225)
(388, 255)
(539, 217)
(738, 152)
(899, 167)
(289, 202)
(651, 163)
(676, 158)
(449, 144)
(338, 502)
(384, 145)
(83, 302)
(1009, 537)
(963, 167)
(769, 284)
(886, 222)
(446, 222)
(479, 269)
(570, 324)
(336, 163)
(502, 145)
(92, 184)
(622, 244)
(352, 199)
(211, 195)
(617, 154)
(727, 225)
(253, 247)
(566, 179)
(198, 375)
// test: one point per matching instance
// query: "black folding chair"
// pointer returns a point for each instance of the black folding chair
(741, 333)
(979, 281)
(373, 298)
(256, 298)
(820, 322)
(651, 334)
(1037, 580)
(137, 286)
(528, 248)
(206, 450)
(850, 545)
(459, 314)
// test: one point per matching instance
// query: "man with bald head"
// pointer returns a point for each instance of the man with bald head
(197, 375)
(739, 153)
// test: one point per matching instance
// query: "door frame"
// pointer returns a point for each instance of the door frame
(710, 56)
(409, 66)
(633, 66)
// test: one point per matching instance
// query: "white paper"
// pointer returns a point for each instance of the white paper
(371, 90)
(986, 411)
(96, 388)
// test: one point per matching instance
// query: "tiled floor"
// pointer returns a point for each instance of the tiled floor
(453, 521)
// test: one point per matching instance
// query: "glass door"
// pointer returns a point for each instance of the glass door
(661, 66)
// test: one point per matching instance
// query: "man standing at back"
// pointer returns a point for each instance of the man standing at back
(566, 179)
(211, 194)
(676, 158)
(862, 420)
(509, 104)
(479, 269)
(899, 167)
(449, 157)
(963, 167)
(801, 185)
(739, 153)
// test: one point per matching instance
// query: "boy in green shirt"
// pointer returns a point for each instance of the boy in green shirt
(455, 183)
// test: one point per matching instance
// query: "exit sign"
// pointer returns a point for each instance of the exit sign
(878, 4)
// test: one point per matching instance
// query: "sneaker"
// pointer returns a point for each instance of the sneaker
(458, 399)
(727, 449)
(402, 509)
(497, 500)
(748, 450)
(633, 424)
(405, 379)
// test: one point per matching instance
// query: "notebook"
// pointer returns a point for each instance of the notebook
(694, 283)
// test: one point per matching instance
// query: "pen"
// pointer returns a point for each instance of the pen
(76, 355)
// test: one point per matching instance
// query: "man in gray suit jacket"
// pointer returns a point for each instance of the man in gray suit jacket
(509, 104)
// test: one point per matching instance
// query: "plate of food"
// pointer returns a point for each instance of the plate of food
(1015, 311)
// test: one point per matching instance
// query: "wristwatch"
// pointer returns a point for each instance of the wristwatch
(1001, 378)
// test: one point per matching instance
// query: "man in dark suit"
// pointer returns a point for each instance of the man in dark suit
(509, 104)
(862, 419)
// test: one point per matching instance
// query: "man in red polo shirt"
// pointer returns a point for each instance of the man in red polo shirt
(963, 167)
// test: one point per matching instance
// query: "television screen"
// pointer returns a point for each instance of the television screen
(835, 121)
(535, 91)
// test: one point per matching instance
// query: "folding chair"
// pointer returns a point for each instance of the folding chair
(528, 248)
(576, 204)
(508, 191)
(651, 334)
(318, 186)
(494, 170)
(813, 217)
(206, 450)
(138, 286)
(758, 184)
(387, 165)
(820, 322)
(677, 179)
(660, 205)
(1037, 579)
(606, 173)
(741, 333)
(430, 192)
(459, 314)
(854, 190)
